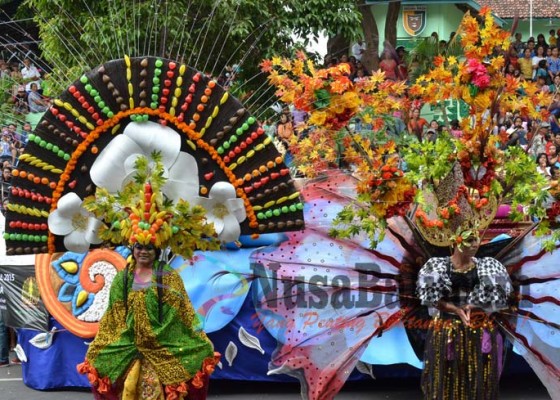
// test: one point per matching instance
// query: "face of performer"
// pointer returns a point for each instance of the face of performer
(469, 248)
(144, 255)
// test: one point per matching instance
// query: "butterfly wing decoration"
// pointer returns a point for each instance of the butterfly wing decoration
(324, 299)
(131, 107)
(534, 325)
(216, 283)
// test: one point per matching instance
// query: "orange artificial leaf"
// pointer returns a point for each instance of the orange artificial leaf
(266, 66)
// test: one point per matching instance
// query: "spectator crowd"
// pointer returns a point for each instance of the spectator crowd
(21, 82)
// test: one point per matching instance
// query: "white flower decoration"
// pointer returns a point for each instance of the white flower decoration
(78, 226)
(114, 166)
(224, 209)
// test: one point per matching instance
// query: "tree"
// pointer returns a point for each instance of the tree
(207, 35)
(369, 26)
(371, 31)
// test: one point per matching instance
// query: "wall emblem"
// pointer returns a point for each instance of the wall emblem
(414, 19)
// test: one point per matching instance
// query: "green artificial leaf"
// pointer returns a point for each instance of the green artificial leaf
(322, 98)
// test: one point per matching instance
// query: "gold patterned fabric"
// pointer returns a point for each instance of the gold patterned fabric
(174, 350)
(460, 362)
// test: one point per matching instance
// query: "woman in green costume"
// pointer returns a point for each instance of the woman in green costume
(150, 344)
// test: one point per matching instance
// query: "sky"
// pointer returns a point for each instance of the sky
(319, 46)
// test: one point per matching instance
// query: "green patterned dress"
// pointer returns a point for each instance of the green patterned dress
(171, 345)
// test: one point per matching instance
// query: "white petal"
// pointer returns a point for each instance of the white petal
(237, 208)
(60, 220)
(76, 242)
(151, 136)
(221, 191)
(69, 204)
(127, 178)
(185, 168)
(41, 341)
(20, 353)
(231, 231)
(107, 170)
(183, 179)
(92, 230)
(175, 190)
(218, 222)
(58, 224)
(130, 161)
(204, 202)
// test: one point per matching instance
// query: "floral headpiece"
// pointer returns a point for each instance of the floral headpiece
(141, 214)
(451, 215)
(466, 236)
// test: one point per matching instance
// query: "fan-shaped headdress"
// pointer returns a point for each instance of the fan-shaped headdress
(210, 147)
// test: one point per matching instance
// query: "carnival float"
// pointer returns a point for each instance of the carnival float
(317, 271)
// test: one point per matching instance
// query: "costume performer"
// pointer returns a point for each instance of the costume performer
(464, 348)
(149, 345)
(99, 187)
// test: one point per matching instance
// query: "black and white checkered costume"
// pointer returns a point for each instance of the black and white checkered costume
(490, 293)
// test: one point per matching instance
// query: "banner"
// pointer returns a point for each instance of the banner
(20, 302)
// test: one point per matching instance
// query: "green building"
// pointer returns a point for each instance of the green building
(418, 19)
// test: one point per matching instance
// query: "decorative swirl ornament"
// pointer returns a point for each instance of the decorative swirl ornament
(75, 287)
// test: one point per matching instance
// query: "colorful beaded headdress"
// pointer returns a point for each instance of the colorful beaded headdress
(209, 144)
(141, 214)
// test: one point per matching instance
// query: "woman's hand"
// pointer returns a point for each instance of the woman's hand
(467, 310)
(464, 313)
